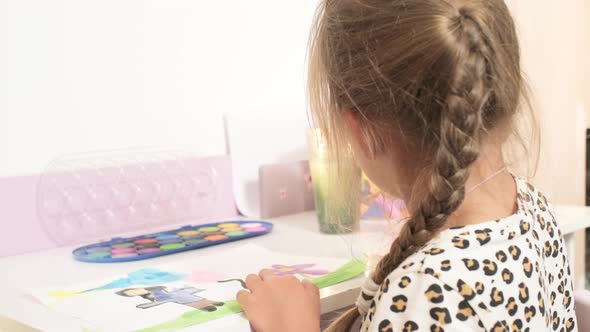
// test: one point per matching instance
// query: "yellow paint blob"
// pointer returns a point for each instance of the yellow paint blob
(62, 294)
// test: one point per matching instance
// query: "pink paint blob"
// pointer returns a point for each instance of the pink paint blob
(204, 277)
(122, 250)
(144, 241)
(148, 251)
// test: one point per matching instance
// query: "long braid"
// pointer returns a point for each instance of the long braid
(460, 128)
(461, 124)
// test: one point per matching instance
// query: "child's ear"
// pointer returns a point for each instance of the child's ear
(353, 124)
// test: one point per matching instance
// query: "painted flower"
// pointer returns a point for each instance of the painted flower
(284, 270)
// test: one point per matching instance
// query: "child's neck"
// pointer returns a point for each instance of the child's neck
(492, 200)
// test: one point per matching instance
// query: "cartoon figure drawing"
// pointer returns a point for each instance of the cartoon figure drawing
(159, 295)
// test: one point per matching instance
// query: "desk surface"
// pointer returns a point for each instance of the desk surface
(295, 234)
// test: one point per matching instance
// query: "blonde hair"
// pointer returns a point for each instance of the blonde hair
(441, 74)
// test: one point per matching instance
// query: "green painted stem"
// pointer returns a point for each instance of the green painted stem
(347, 271)
(195, 317)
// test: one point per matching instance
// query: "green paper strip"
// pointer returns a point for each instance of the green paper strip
(346, 272)
(195, 317)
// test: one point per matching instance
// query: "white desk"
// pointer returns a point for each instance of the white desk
(294, 234)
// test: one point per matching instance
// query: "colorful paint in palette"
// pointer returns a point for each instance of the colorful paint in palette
(122, 250)
(170, 242)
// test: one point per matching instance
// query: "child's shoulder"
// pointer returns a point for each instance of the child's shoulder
(468, 253)
(484, 270)
(529, 195)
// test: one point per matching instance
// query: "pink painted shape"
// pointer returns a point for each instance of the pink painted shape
(145, 241)
(19, 219)
(148, 251)
(122, 250)
(204, 277)
(393, 209)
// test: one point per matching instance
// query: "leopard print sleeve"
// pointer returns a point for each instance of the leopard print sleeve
(420, 302)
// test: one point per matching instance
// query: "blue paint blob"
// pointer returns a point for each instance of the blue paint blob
(167, 237)
(143, 277)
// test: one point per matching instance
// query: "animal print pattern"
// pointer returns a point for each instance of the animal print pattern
(510, 274)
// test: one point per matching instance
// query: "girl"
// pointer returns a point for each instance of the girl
(426, 92)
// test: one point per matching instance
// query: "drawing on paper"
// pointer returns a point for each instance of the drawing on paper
(159, 295)
(143, 277)
(185, 293)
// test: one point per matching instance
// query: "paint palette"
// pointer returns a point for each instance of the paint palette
(170, 242)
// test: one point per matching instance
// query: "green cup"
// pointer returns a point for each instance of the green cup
(336, 187)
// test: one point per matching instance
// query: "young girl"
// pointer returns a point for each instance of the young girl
(426, 92)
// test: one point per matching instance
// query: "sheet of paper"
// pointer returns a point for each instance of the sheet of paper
(188, 295)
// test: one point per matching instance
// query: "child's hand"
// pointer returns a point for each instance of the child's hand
(280, 304)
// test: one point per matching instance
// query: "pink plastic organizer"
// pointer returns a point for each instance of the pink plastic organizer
(92, 197)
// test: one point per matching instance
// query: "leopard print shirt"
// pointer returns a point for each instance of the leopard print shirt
(510, 274)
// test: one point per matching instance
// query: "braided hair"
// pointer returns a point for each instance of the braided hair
(443, 72)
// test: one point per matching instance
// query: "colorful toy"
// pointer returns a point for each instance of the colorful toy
(170, 242)
(375, 204)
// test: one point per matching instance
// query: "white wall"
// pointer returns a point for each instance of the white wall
(555, 39)
(81, 75)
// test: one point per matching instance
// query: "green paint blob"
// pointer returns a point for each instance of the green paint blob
(99, 255)
(208, 229)
(194, 317)
(123, 245)
(193, 242)
(172, 246)
(235, 233)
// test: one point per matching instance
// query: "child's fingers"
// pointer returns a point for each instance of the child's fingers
(243, 298)
(311, 288)
(266, 274)
(253, 281)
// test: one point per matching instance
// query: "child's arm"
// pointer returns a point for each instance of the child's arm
(280, 303)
